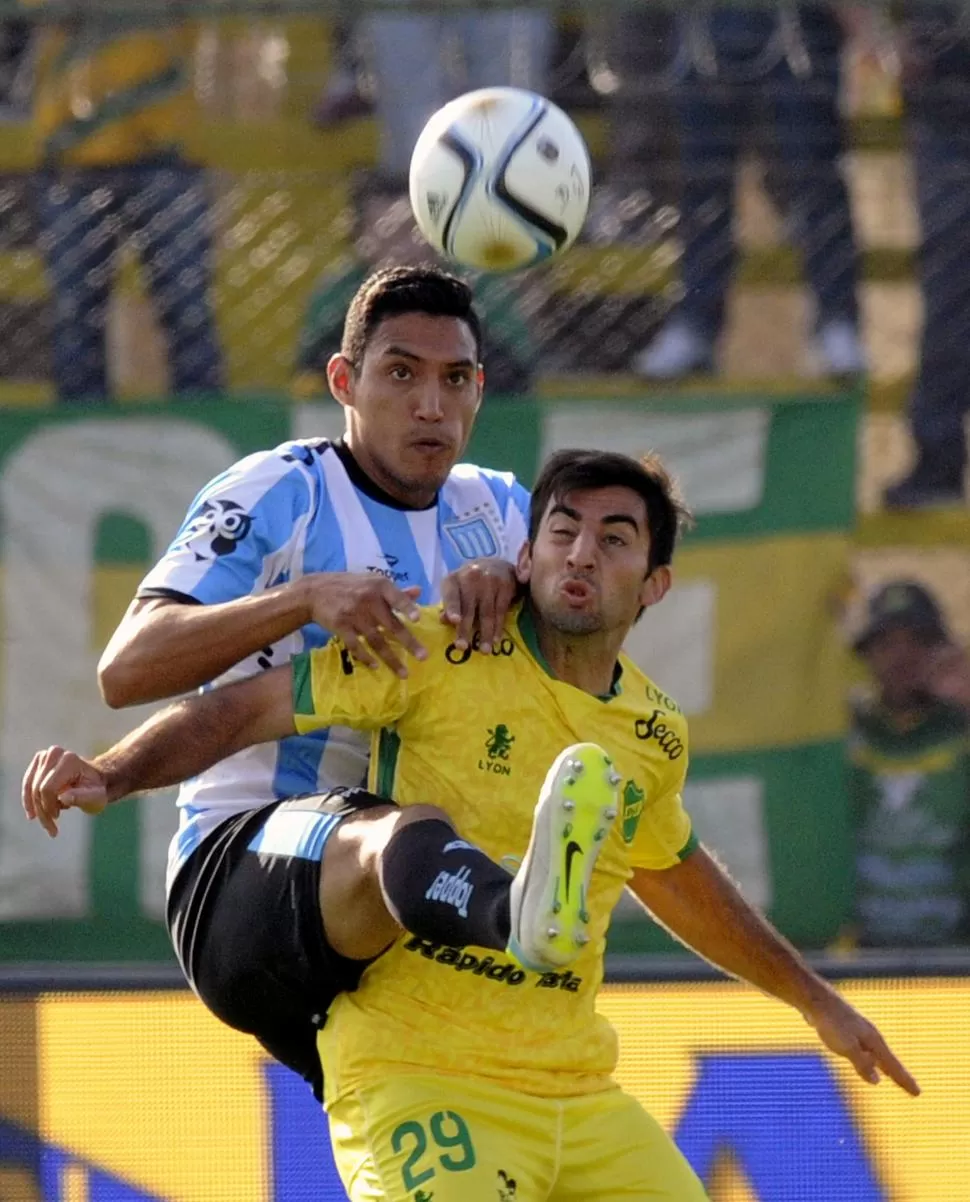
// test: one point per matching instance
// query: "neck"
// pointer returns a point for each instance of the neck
(396, 490)
(586, 661)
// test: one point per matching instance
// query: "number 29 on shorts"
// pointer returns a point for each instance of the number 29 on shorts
(442, 1143)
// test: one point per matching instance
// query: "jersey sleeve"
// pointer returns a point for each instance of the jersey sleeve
(240, 532)
(513, 502)
(517, 516)
(330, 688)
(664, 835)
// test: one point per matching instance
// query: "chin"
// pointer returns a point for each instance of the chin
(575, 621)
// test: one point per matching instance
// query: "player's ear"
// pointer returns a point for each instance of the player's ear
(340, 377)
(523, 565)
(655, 587)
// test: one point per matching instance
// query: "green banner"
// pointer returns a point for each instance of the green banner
(89, 498)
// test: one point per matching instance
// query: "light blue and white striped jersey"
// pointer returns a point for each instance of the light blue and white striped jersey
(307, 507)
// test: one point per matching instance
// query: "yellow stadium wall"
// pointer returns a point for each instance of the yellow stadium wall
(144, 1097)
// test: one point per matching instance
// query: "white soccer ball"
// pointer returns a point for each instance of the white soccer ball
(500, 180)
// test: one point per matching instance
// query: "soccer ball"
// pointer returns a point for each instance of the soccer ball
(500, 180)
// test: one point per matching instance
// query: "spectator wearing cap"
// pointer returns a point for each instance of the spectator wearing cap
(910, 776)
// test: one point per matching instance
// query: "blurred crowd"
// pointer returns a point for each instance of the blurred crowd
(690, 95)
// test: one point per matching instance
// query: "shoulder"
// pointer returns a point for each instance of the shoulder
(658, 721)
(469, 477)
(643, 693)
(265, 487)
(263, 469)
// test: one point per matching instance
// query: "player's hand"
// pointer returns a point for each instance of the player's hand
(475, 600)
(846, 1032)
(365, 611)
(58, 780)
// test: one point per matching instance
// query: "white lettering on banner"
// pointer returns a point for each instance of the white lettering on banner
(718, 458)
(728, 814)
(54, 491)
(675, 644)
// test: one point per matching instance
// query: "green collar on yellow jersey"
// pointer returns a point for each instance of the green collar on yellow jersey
(531, 639)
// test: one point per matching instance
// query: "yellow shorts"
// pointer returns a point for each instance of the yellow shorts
(451, 1139)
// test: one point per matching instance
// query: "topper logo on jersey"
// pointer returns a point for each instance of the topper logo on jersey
(453, 889)
(225, 523)
(389, 570)
(473, 538)
(652, 728)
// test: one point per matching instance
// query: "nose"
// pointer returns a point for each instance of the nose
(430, 402)
(582, 551)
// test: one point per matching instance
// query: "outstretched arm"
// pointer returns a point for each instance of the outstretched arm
(699, 904)
(173, 745)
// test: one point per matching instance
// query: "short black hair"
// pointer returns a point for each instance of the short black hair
(572, 470)
(396, 290)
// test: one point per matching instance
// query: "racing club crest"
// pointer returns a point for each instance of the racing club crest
(473, 538)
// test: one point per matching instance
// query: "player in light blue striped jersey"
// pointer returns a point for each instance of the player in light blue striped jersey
(314, 538)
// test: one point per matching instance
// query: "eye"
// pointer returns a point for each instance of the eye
(614, 540)
(562, 532)
(459, 379)
(400, 372)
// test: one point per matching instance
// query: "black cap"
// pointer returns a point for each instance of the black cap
(902, 604)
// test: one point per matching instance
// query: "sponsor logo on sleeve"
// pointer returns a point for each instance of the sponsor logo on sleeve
(216, 530)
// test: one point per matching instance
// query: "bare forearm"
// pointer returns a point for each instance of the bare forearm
(163, 648)
(190, 736)
(698, 903)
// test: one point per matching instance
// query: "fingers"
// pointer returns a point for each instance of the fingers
(476, 599)
(467, 609)
(57, 780)
(357, 648)
(92, 799)
(892, 1066)
(404, 601)
(376, 633)
(40, 800)
(27, 787)
(451, 599)
(489, 622)
(381, 648)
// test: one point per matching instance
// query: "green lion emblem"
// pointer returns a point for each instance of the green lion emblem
(499, 742)
(633, 798)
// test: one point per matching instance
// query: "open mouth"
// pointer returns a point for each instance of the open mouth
(577, 591)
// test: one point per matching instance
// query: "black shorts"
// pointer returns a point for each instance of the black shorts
(244, 917)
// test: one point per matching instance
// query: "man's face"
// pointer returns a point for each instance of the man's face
(412, 404)
(587, 569)
(900, 660)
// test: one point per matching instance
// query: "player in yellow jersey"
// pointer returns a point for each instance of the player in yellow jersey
(453, 1072)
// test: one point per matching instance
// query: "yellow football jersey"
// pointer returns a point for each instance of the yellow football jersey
(476, 736)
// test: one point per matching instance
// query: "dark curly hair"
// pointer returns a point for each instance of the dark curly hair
(570, 471)
(396, 290)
